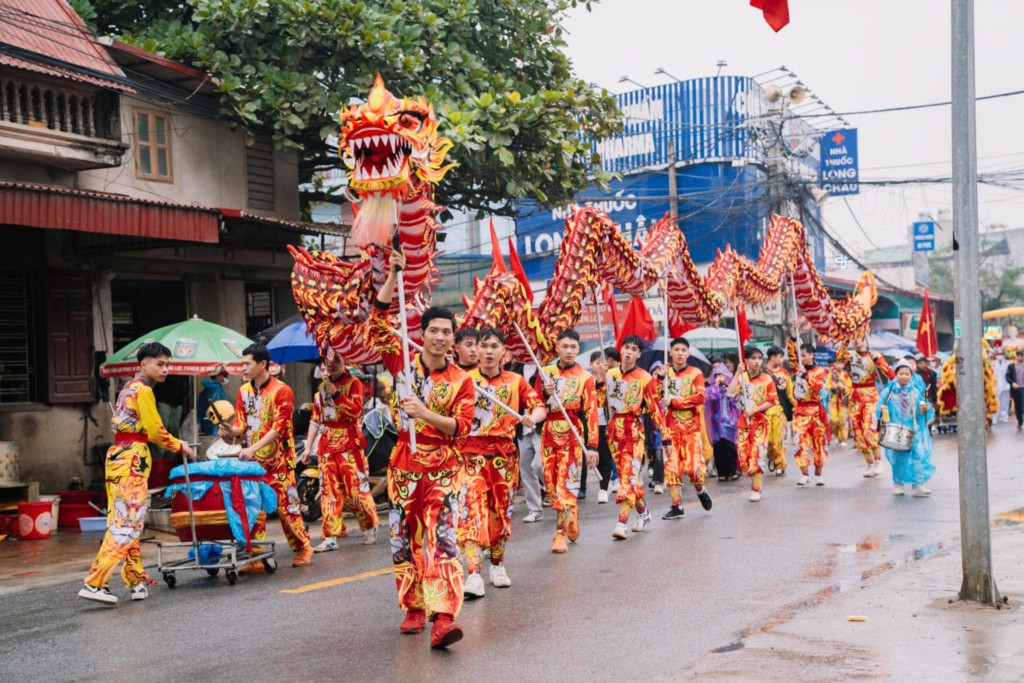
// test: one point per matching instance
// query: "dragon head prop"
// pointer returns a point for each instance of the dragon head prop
(393, 153)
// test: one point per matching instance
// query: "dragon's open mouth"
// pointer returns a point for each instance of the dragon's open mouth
(380, 159)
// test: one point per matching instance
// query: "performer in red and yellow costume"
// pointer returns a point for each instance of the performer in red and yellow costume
(436, 399)
(136, 424)
(810, 418)
(492, 461)
(839, 388)
(755, 395)
(560, 454)
(682, 395)
(866, 368)
(263, 419)
(779, 416)
(629, 392)
(337, 413)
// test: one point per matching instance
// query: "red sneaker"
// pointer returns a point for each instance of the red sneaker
(445, 632)
(415, 620)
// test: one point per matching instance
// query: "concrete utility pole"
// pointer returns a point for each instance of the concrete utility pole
(975, 544)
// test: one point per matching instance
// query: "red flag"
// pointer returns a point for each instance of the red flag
(776, 12)
(638, 321)
(680, 328)
(609, 297)
(926, 342)
(742, 328)
(498, 264)
(517, 268)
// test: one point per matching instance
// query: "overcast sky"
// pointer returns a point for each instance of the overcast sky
(854, 54)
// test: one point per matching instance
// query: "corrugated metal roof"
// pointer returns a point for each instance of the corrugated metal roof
(304, 227)
(51, 29)
(61, 208)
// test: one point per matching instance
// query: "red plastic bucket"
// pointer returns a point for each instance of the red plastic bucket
(70, 513)
(34, 520)
(9, 525)
(78, 497)
(160, 473)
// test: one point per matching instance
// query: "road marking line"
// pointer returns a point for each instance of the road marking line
(339, 581)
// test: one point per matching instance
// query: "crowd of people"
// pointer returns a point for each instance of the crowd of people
(475, 430)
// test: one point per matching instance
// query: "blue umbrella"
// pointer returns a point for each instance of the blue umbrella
(292, 345)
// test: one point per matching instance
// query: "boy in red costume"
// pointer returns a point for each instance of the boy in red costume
(755, 395)
(810, 418)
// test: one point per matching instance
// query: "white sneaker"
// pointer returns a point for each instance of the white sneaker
(659, 489)
(819, 480)
(869, 471)
(802, 481)
(533, 517)
(98, 595)
(474, 586)
(328, 544)
(780, 473)
(878, 467)
(499, 577)
(620, 532)
(755, 496)
(920, 491)
(139, 591)
(370, 536)
(898, 490)
(602, 497)
(614, 486)
(643, 520)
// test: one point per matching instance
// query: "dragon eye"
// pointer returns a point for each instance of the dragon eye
(409, 121)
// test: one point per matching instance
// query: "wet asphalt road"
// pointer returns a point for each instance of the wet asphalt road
(644, 608)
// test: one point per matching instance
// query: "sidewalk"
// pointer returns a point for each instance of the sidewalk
(914, 629)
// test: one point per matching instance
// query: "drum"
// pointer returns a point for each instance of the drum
(895, 437)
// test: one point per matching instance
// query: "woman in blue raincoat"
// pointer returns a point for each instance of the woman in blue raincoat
(904, 403)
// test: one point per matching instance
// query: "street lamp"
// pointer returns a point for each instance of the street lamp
(627, 79)
(661, 71)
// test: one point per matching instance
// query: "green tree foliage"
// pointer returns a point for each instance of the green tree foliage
(521, 120)
(1001, 279)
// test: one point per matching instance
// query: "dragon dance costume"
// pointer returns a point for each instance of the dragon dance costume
(778, 417)
(752, 431)
(492, 466)
(810, 418)
(136, 424)
(258, 411)
(423, 485)
(866, 369)
(342, 460)
(560, 454)
(839, 387)
(684, 419)
(630, 394)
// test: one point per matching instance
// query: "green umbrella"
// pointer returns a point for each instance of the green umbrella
(197, 348)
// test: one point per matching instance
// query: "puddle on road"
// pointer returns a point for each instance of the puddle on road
(825, 569)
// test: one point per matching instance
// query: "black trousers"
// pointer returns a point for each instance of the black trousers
(1018, 404)
(726, 460)
(605, 464)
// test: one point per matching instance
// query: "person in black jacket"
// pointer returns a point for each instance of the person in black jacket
(1015, 378)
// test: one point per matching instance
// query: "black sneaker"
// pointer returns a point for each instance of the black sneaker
(705, 499)
(674, 513)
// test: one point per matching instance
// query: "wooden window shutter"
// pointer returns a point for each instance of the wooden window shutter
(259, 174)
(69, 338)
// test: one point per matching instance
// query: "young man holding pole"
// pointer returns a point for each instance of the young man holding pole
(263, 419)
(436, 399)
(629, 392)
(682, 394)
(569, 391)
(782, 414)
(866, 368)
(810, 418)
(337, 413)
(755, 395)
(136, 423)
(492, 461)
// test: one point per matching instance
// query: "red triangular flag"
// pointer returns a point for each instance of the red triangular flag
(743, 328)
(498, 264)
(638, 321)
(776, 12)
(517, 268)
(926, 341)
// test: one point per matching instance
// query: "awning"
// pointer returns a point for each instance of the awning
(61, 208)
(300, 227)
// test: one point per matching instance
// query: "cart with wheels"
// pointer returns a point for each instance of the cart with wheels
(214, 507)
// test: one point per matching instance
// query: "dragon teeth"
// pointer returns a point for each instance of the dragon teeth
(375, 174)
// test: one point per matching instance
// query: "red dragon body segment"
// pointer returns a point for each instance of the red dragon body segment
(395, 158)
(594, 251)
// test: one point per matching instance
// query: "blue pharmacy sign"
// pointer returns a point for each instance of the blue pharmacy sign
(924, 236)
(840, 174)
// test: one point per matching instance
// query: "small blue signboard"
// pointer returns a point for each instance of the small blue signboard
(840, 173)
(924, 236)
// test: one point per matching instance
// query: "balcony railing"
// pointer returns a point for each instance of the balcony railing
(56, 109)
